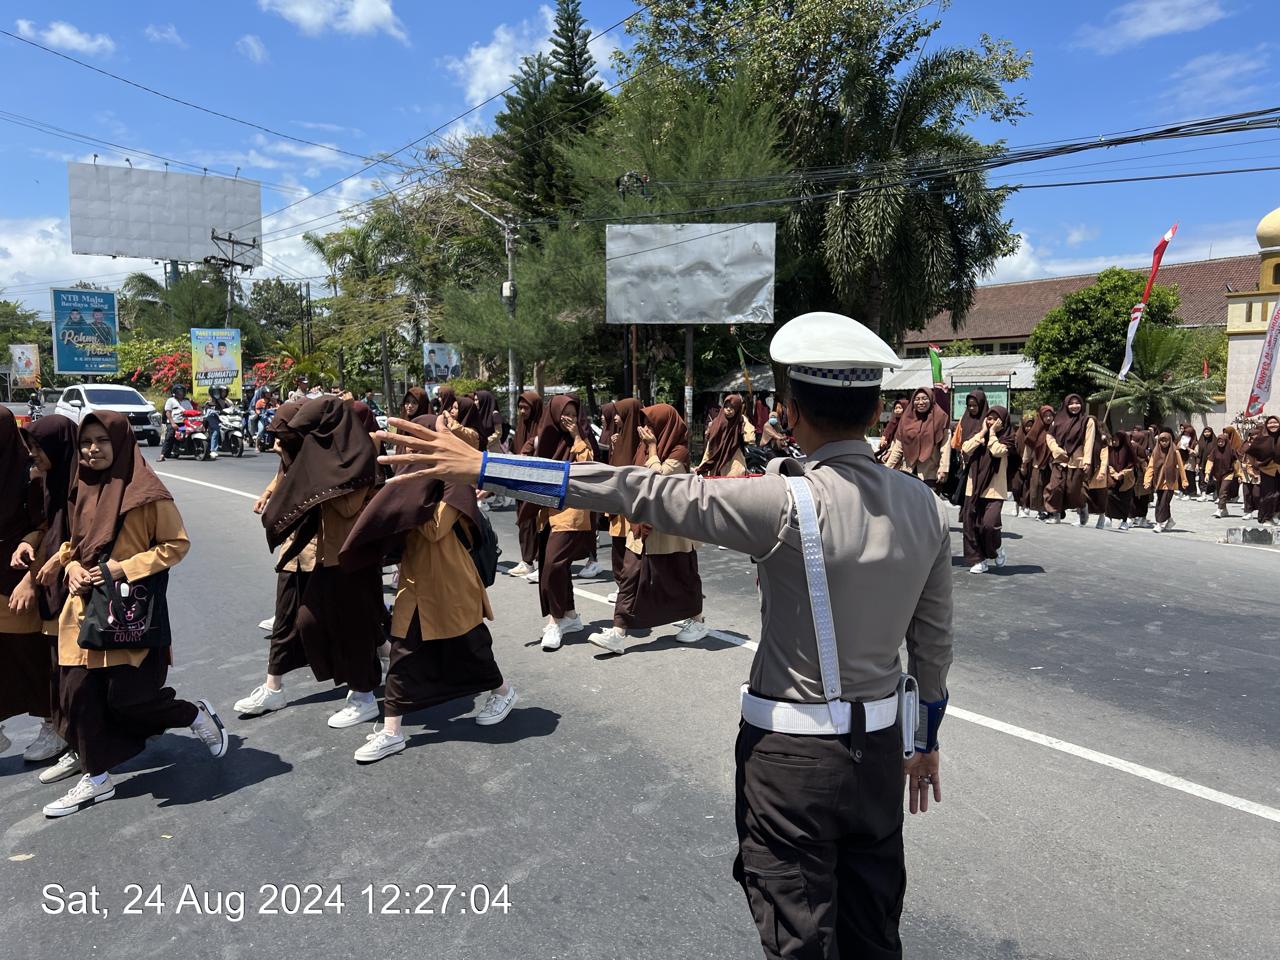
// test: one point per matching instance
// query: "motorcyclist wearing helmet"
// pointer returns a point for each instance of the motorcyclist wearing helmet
(173, 408)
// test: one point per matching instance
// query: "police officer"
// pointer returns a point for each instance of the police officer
(852, 558)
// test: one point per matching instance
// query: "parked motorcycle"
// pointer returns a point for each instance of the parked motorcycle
(233, 431)
(190, 435)
(264, 441)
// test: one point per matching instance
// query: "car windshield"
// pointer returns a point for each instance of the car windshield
(114, 395)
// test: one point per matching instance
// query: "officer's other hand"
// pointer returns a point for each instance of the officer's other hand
(439, 454)
(921, 773)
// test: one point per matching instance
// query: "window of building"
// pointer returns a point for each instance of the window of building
(1275, 275)
(986, 348)
(914, 353)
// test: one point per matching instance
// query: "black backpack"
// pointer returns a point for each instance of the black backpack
(485, 551)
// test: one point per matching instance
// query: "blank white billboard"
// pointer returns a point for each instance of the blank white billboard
(689, 273)
(123, 212)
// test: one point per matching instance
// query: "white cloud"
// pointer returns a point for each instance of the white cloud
(1215, 81)
(314, 17)
(1080, 233)
(252, 48)
(1138, 21)
(65, 36)
(165, 34)
(328, 127)
(488, 67)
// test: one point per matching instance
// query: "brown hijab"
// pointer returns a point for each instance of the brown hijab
(724, 438)
(55, 435)
(922, 434)
(469, 416)
(103, 497)
(334, 458)
(1222, 457)
(671, 433)
(19, 497)
(418, 397)
(629, 418)
(1068, 427)
(891, 428)
(486, 407)
(1208, 440)
(527, 427)
(446, 397)
(971, 423)
(1264, 446)
(1120, 452)
(983, 467)
(551, 441)
(398, 508)
(1166, 462)
(1038, 437)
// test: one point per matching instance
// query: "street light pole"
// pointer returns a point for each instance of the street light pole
(508, 295)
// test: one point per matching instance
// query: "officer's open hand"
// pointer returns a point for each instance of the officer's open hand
(921, 773)
(440, 454)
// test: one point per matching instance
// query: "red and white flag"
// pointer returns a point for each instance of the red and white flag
(1135, 315)
(1260, 392)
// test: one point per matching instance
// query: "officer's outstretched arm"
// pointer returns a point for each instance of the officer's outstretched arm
(929, 640)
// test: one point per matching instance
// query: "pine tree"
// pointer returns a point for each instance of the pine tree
(525, 142)
(577, 93)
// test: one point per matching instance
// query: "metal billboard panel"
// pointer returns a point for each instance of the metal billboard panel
(689, 273)
(123, 212)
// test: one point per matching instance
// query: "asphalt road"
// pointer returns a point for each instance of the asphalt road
(1110, 776)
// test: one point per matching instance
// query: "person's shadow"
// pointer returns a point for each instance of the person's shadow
(448, 723)
(178, 771)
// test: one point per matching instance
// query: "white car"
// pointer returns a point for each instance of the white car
(84, 398)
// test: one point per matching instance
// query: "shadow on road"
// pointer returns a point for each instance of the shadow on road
(192, 776)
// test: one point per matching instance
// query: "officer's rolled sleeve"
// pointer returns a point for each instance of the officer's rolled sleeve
(743, 515)
(929, 635)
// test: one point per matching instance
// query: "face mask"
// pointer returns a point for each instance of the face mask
(773, 421)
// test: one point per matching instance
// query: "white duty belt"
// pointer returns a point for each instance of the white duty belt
(834, 716)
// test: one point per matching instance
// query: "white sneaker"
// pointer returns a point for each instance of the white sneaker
(521, 569)
(268, 624)
(691, 631)
(379, 744)
(552, 637)
(68, 765)
(212, 455)
(497, 707)
(208, 727)
(571, 624)
(1102, 522)
(1055, 520)
(262, 700)
(1250, 515)
(1124, 525)
(84, 794)
(1001, 557)
(533, 577)
(356, 711)
(45, 746)
(610, 640)
(1217, 514)
(979, 567)
(612, 596)
(590, 571)
(1077, 520)
(385, 662)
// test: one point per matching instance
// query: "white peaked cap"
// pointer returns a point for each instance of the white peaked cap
(831, 349)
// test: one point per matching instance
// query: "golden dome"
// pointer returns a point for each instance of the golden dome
(1269, 230)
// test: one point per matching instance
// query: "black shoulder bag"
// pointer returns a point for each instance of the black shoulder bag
(126, 616)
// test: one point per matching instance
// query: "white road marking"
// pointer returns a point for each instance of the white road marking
(212, 486)
(1053, 743)
(1116, 763)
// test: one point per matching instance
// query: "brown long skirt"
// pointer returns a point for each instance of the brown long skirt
(618, 557)
(556, 553)
(286, 652)
(1268, 497)
(341, 622)
(25, 682)
(425, 673)
(111, 711)
(527, 527)
(1036, 482)
(1119, 504)
(1250, 496)
(1065, 490)
(657, 590)
(982, 529)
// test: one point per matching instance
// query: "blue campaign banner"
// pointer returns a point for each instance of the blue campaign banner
(85, 332)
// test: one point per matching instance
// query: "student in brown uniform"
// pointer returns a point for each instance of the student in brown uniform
(1018, 486)
(24, 682)
(563, 535)
(660, 581)
(52, 442)
(1097, 481)
(623, 450)
(1037, 460)
(441, 649)
(1073, 442)
(1141, 440)
(1264, 450)
(1166, 476)
(921, 445)
(1204, 447)
(988, 452)
(340, 618)
(528, 417)
(122, 517)
(725, 454)
(415, 403)
(1122, 477)
(1220, 474)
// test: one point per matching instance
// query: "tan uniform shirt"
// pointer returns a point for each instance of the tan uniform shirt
(924, 469)
(1084, 456)
(28, 622)
(657, 543)
(888, 555)
(151, 539)
(571, 520)
(438, 582)
(999, 488)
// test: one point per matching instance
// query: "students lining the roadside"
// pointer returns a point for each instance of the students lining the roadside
(921, 445)
(1141, 440)
(1263, 450)
(725, 454)
(528, 418)
(1204, 447)
(563, 535)
(988, 451)
(623, 450)
(1166, 476)
(441, 649)
(1222, 472)
(114, 699)
(338, 627)
(1037, 461)
(660, 582)
(1019, 487)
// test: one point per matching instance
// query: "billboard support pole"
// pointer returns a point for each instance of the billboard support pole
(386, 371)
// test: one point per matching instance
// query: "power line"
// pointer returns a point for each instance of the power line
(180, 101)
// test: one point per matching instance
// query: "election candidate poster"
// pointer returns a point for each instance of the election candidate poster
(85, 332)
(24, 366)
(441, 362)
(215, 362)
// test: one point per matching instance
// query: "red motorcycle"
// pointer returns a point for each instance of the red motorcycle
(190, 435)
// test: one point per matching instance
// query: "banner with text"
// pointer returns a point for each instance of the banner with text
(85, 332)
(440, 362)
(24, 366)
(1260, 392)
(215, 362)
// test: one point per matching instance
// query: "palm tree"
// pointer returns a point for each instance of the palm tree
(1154, 389)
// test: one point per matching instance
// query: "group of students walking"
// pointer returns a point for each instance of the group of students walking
(1063, 465)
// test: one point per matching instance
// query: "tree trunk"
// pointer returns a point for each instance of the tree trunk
(538, 385)
(875, 301)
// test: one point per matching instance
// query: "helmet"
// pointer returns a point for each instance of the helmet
(176, 388)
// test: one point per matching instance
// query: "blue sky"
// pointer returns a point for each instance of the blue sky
(371, 75)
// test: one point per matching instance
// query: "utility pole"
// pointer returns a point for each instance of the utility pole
(309, 338)
(508, 296)
(230, 262)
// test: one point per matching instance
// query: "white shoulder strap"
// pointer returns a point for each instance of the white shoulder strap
(815, 573)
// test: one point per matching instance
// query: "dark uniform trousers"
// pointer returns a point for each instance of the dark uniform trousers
(820, 841)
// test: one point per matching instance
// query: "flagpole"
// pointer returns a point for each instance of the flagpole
(1135, 315)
